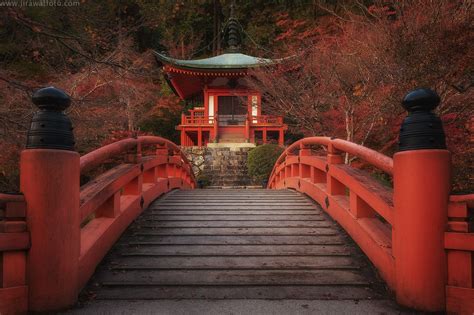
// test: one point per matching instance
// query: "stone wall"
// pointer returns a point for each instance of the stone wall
(221, 166)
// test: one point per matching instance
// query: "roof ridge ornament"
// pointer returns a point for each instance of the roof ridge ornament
(232, 32)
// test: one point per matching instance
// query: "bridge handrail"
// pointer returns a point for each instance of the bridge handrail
(372, 157)
(98, 156)
(323, 141)
(154, 140)
(113, 199)
(14, 245)
(459, 245)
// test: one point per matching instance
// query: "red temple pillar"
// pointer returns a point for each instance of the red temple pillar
(199, 142)
(281, 137)
(216, 126)
(264, 135)
(183, 138)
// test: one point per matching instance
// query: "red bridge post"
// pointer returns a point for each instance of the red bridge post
(421, 191)
(50, 183)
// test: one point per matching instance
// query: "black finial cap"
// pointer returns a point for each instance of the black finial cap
(421, 100)
(421, 129)
(50, 128)
(51, 98)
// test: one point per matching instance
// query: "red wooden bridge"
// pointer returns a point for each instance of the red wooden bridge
(290, 241)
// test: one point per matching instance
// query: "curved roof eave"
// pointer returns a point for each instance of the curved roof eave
(224, 61)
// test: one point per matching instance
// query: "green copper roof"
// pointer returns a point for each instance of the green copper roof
(224, 61)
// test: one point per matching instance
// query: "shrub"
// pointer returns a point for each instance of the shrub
(203, 181)
(260, 161)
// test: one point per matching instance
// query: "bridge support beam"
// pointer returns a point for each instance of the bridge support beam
(421, 177)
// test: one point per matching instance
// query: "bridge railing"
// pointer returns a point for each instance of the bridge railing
(418, 236)
(459, 244)
(54, 235)
(110, 202)
(14, 244)
(362, 205)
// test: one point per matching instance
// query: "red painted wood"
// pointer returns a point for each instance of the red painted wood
(460, 268)
(15, 209)
(459, 300)
(14, 241)
(13, 269)
(12, 226)
(459, 241)
(14, 301)
(49, 180)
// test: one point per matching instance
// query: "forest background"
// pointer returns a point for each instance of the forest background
(352, 61)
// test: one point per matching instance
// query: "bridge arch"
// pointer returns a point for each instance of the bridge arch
(55, 233)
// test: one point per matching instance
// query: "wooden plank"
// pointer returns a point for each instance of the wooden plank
(248, 192)
(242, 218)
(243, 231)
(236, 191)
(231, 198)
(459, 300)
(235, 239)
(458, 210)
(12, 226)
(237, 250)
(236, 196)
(232, 212)
(230, 223)
(122, 292)
(14, 300)
(14, 241)
(236, 263)
(13, 269)
(195, 244)
(235, 277)
(15, 209)
(231, 207)
(96, 192)
(460, 241)
(232, 203)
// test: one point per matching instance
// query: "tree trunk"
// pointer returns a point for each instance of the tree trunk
(216, 43)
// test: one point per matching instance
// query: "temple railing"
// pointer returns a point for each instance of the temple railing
(197, 120)
(266, 120)
(230, 120)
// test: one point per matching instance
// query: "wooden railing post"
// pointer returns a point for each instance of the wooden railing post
(49, 177)
(334, 187)
(305, 170)
(421, 191)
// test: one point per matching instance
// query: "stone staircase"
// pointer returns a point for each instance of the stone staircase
(227, 167)
(222, 165)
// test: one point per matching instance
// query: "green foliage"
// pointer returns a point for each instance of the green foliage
(260, 161)
(203, 180)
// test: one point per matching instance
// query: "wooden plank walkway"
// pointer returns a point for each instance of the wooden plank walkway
(234, 244)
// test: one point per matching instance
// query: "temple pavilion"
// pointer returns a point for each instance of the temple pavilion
(225, 110)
